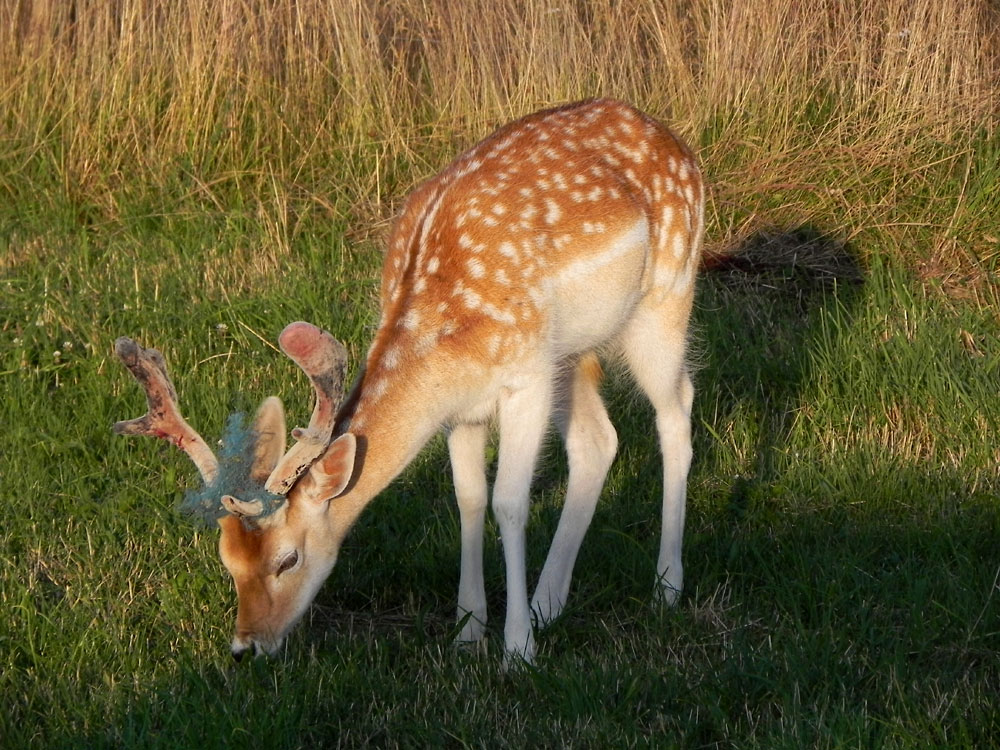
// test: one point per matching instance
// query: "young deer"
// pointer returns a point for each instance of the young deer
(569, 231)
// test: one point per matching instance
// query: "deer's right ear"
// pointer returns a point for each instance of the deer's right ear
(332, 471)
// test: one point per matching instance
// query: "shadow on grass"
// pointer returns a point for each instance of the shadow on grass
(758, 319)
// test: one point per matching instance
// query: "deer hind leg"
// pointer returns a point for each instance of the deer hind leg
(523, 419)
(654, 347)
(467, 449)
(591, 444)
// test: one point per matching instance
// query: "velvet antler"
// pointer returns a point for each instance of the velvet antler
(323, 359)
(163, 418)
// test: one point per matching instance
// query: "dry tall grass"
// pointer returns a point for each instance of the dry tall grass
(831, 111)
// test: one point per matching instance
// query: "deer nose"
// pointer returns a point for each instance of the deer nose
(241, 645)
(240, 650)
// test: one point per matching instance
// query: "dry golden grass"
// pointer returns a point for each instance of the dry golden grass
(831, 112)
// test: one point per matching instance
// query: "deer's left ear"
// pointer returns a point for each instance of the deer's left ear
(269, 431)
(332, 472)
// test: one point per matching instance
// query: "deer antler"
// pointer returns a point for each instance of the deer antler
(163, 419)
(322, 358)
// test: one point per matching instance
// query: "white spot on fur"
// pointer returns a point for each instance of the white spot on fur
(629, 153)
(552, 211)
(391, 358)
(668, 217)
(679, 246)
(471, 300)
(377, 389)
(433, 265)
(501, 316)
(689, 193)
(476, 268)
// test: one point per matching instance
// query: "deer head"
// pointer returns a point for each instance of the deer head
(271, 504)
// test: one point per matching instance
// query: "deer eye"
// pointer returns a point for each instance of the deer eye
(288, 562)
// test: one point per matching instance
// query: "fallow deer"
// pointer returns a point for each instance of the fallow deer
(569, 232)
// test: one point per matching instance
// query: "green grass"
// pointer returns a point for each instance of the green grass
(841, 545)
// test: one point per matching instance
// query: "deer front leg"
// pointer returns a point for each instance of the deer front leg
(524, 416)
(467, 448)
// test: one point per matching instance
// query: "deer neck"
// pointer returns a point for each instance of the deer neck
(392, 415)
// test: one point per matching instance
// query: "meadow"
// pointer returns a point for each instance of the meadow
(197, 175)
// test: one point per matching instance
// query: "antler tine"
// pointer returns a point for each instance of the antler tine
(163, 418)
(323, 359)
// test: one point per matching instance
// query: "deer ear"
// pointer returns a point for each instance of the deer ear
(332, 471)
(269, 428)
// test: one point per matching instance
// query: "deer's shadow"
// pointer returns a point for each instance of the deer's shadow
(759, 317)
